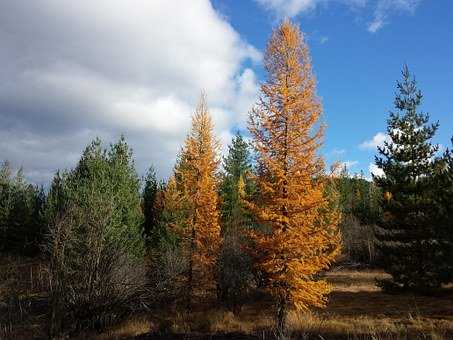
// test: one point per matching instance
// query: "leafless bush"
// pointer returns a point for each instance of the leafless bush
(358, 240)
(22, 294)
(94, 281)
(166, 275)
(235, 271)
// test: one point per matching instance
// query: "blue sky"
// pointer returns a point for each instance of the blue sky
(73, 71)
(357, 68)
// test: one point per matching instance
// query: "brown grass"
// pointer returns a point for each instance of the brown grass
(357, 309)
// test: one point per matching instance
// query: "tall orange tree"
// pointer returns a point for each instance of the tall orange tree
(299, 235)
(195, 175)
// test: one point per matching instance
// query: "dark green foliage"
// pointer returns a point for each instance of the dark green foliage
(110, 173)
(443, 197)
(151, 210)
(407, 232)
(21, 207)
(56, 198)
(234, 264)
(237, 168)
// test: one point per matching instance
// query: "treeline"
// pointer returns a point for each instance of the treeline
(267, 216)
(22, 220)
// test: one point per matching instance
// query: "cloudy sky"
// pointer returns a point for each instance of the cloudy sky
(74, 70)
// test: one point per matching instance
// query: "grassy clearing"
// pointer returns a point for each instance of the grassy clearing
(357, 309)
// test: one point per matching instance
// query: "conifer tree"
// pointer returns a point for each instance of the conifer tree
(111, 174)
(234, 267)
(407, 231)
(21, 205)
(197, 183)
(443, 197)
(236, 184)
(150, 203)
(299, 237)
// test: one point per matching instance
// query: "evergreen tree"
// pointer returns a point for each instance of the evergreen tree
(21, 204)
(299, 236)
(111, 174)
(407, 232)
(56, 199)
(235, 272)
(443, 196)
(150, 204)
(125, 187)
(236, 177)
(5, 201)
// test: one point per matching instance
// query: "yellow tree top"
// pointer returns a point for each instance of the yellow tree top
(300, 237)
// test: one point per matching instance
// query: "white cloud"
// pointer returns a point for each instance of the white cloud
(75, 70)
(288, 8)
(377, 140)
(385, 8)
(292, 8)
(375, 25)
(381, 10)
(374, 170)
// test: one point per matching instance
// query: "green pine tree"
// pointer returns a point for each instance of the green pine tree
(151, 209)
(406, 233)
(234, 264)
(236, 178)
(112, 176)
(21, 204)
(443, 196)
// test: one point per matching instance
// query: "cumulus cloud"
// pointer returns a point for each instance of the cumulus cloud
(375, 170)
(75, 70)
(385, 8)
(377, 140)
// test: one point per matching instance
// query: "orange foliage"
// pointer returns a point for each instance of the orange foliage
(299, 235)
(196, 180)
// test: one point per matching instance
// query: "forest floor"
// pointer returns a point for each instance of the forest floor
(357, 309)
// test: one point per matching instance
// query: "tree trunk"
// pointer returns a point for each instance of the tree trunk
(282, 312)
(190, 274)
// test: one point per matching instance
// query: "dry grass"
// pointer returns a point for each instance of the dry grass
(357, 309)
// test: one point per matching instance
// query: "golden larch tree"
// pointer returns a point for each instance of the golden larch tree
(196, 178)
(298, 236)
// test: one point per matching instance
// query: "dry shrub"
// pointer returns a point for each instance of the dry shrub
(23, 283)
(359, 243)
(166, 275)
(94, 281)
(235, 275)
